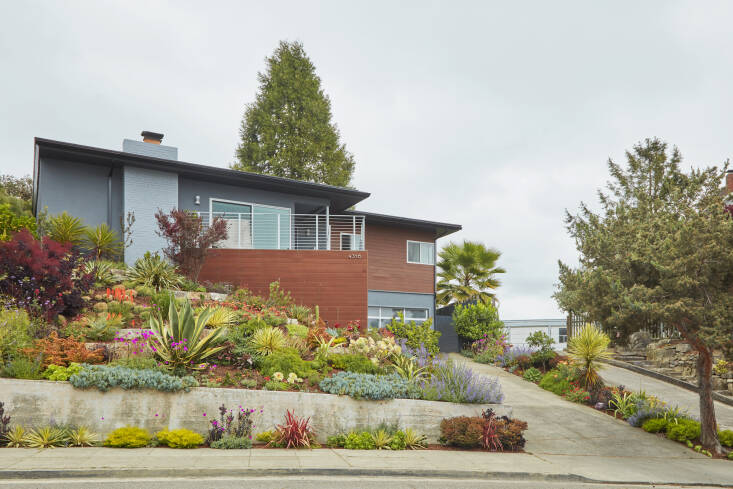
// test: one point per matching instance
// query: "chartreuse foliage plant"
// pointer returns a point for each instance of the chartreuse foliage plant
(12, 222)
(180, 342)
(267, 340)
(46, 437)
(655, 425)
(180, 438)
(128, 437)
(684, 430)
(726, 438)
(59, 373)
(83, 437)
(154, 271)
(588, 347)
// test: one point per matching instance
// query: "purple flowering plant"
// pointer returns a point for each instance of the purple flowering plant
(229, 424)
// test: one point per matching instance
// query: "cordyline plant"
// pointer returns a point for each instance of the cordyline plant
(660, 251)
(188, 239)
(180, 341)
(295, 432)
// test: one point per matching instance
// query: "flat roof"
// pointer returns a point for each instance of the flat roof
(439, 228)
(341, 198)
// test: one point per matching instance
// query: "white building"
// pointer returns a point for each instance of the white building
(519, 329)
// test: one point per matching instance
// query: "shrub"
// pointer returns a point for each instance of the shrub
(232, 443)
(524, 361)
(684, 430)
(643, 411)
(15, 333)
(128, 437)
(456, 382)
(353, 363)
(359, 441)
(654, 425)
(532, 375)
(368, 386)
(189, 239)
(102, 328)
(105, 377)
(278, 297)
(588, 347)
(23, 368)
(59, 373)
(40, 276)
(295, 432)
(462, 431)
(556, 382)
(264, 436)
(416, 334)
(267, 340)
(12, 222)
(726, 438)
(230, 426)
(63, 351)
(180, 341)
(285, 361)
(474, 321)
(153, 271)
(577, 394)
(486, 431)
(181, 438)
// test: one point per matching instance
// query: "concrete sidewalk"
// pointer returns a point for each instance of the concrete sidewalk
(91, 463)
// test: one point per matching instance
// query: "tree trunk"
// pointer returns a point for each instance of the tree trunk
(709, 425)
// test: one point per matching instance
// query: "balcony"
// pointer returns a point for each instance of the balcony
(281, 230)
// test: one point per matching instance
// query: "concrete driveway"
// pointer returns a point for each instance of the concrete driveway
(596, 444)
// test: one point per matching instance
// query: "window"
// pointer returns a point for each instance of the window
(563, 335)
(350, 241)
(420, 252)
(253, 226)
(379, 317)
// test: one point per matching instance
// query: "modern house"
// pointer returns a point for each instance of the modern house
(354, 265)
(520, 329)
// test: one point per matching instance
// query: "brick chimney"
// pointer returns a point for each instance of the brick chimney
(152, 137)
(729, 181)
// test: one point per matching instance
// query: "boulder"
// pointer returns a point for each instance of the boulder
(683, 347)
(639, 340)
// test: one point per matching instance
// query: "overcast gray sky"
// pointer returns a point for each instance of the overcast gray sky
(494, 115)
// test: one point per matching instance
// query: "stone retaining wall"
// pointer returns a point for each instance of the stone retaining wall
(678, 359)
(37, 402)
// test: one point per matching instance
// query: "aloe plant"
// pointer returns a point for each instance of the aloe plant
(181, 341)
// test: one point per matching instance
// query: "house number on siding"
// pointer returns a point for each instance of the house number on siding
(353, 256)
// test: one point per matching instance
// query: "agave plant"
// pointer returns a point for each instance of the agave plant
(268, 340)
(414, 440)
(180, 341)
(46, 437)
(101, 328)
(103, 241)
(83, 437)
(16, 437)
(324, 348)
(154, 271)
(220, 316)
(381, 440)
(408, 369)
(588, 347)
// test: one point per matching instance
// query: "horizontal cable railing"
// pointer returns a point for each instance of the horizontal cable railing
(285, 231)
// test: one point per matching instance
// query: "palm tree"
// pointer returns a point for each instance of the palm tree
(467, 272)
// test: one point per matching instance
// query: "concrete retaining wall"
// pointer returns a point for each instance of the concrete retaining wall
(37, 402)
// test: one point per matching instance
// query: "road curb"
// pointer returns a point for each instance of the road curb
(665, 378)
(91, 474)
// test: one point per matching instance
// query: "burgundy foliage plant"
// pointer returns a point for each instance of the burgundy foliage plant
(189, 239)
(295, 432)
(42, 276)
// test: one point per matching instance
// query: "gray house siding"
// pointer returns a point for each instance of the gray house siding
(146, 191)
(147, 149)
(189, 188)
(402, 299)
(82, 190)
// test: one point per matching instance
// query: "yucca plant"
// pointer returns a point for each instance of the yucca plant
(220, 316)
(46, 437)
(103, 241)
(414, 440)
(408, 369)
(588, 348)
(324, 348)
(154, 271)
(268, 340)
(180, 341)
(64, 228)
(83, 437)
(382, 439)
(16, 437)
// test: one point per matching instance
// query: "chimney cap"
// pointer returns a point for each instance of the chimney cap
(155, 136)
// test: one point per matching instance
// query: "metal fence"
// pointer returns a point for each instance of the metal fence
(285, 231)
(656, 331)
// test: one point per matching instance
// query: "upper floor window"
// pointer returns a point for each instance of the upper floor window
(421, 252)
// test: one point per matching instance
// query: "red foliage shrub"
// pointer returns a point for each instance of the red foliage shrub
(62, 351)
(487, 431)
(524, 361)
(42, 277)
(462, 431)
(295, 432)
(552, 363)
(188, 239)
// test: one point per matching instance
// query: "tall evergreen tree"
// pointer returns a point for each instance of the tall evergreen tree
(287, 131)
(660, 251)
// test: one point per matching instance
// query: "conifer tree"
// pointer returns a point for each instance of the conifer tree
(287, 131)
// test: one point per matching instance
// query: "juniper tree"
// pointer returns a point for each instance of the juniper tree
(659, 251)
(287, 131)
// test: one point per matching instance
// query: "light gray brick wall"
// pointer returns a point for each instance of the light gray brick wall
(146, 191)
(149, 149)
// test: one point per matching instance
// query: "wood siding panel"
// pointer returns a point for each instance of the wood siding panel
(388, 267)
(329, 279)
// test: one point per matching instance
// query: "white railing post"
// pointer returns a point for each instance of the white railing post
(316, 231)
(278, 231)
(239, 230)
(363, 234)
(328, 228)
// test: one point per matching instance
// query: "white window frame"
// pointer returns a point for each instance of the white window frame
(386, 319)
(432, 255)
(355, 238)
(251, 216)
